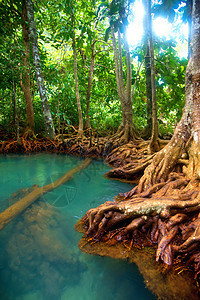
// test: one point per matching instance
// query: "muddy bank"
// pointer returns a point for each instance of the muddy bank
(164, 283)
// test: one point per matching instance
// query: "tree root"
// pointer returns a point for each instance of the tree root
(91, 146)
(130, 160)
(166, 215)
(131, 171)
(125, 134)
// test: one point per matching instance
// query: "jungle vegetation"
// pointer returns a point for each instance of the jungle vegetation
(67, 67)
(77, 44)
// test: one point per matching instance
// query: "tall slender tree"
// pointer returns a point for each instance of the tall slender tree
(80, 116)
(146, 25)
(126, 130)
(89, 85)
(26, 87)
(154, 145)
(48, 122)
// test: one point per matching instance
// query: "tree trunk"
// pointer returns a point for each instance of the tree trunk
(48, 122)
(80, 116)
(14, 109)
(153, 146)
(90, 77)
(148, 129)
(126, 130)
(26, 70)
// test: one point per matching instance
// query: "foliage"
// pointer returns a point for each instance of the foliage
(54, 34)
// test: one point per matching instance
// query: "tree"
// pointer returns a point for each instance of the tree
(89, 86)
(153, 146)
(165, 204)
(146, 23)
(119, 23)
(80, 128)
(26, 70)
(48, 122)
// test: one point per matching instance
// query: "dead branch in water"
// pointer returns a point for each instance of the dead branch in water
(14, 210)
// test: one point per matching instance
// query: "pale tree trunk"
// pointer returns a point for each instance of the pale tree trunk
(48, 122)
(26, 87)
(189, 12)
(148, 129)
(80, 116)
(89, 87)
(126, 130)
(153, 146)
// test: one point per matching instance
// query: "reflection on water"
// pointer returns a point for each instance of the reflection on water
(39, 257)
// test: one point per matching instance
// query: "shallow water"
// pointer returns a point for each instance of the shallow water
(39, 257)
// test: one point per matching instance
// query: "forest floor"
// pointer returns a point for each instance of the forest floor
(118, 229)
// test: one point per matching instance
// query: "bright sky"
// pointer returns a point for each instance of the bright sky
(161, 27)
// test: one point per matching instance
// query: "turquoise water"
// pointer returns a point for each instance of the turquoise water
(39, 257)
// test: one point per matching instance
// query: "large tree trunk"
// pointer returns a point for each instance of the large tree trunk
(164, 209)
(48, 122)
(26, 86)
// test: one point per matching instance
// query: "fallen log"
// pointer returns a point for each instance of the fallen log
(14, 210)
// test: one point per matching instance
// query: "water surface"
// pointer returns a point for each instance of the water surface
(39, 257)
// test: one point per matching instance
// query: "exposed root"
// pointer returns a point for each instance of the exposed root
(125, 134)
(130, 160)
(131, 171)
(162, 165)
(93, 146)
(166, 215)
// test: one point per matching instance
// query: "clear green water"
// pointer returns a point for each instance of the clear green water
(39, 257)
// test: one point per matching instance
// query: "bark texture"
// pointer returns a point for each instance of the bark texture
(48, 122)
(154, 144)
(148, 129)
(89, 87)
(80, 116)
(26, 85)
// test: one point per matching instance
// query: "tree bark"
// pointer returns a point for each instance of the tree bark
(26, 86)
(89, 87)
(80, 116)
(126, 130)
(153, 146)
(148, 129)
(48, 122)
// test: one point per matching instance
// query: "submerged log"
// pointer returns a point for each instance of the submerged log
(14, 210)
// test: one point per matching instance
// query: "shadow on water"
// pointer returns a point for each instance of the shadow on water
(39, 257)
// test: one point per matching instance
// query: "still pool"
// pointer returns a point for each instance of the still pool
(39, 257)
